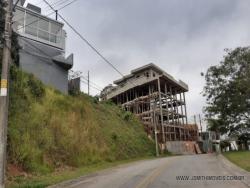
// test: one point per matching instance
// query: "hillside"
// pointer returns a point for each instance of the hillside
(48, 130)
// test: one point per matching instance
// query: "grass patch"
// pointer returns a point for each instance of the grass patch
(240, 158)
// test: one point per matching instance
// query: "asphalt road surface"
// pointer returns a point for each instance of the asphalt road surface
(163, 173)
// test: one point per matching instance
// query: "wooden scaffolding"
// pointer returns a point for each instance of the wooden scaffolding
(158, 101)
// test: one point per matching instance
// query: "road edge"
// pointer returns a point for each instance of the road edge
(68, 183)
(234, 169)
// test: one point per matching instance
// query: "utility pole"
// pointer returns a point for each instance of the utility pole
(4, 90)
(200, 122)
(88, 82)
(195, 119)
(56, 11)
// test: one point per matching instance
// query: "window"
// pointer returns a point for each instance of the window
(42, 28)
(44, 25)
(58, 39)
(55, 33)
(19, 20)
(55, 29)
(43, 35)
(31, 20)
(52, 38)
(31, 24)
(19, 17)
(31, 30)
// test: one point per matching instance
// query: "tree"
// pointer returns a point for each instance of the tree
(244, 139)
(227, 92)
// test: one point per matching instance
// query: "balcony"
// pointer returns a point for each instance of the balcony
(33, 25)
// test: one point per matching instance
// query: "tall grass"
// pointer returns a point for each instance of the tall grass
(48, 129)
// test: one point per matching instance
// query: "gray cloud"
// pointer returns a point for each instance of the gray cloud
(183, 37)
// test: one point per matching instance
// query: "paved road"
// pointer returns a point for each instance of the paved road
(162, 173)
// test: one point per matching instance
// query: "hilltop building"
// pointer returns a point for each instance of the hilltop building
(42, 42)
(159, 102)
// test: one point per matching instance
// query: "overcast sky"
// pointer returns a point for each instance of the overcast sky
(183, 37)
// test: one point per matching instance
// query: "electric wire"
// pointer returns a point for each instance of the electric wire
(47, 56)
(96, 86)
(83, 38)
(53, 12)
(91, 85)
(88, 43)
(57, 3)
(92, 82)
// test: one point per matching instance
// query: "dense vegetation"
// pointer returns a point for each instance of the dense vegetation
(228, 94)
(48, 130)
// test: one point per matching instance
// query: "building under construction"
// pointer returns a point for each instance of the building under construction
(159, 102)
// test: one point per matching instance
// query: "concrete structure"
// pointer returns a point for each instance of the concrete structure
(158, 100)
(42, 42)
(74, 85)
(209, 141)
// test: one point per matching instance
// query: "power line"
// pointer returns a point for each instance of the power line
(84, 39)
(91, 82)
(15, 5)
(77, 74)
(40, 2)
(87, 42)
(53, 12)
(57, 3)
(91, 85)
(67, 5)
(34, 47)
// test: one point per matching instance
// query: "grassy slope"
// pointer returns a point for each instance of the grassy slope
(240, 158)
(48, 130)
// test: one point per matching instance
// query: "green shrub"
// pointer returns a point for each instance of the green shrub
(36, 87)
(127, 115)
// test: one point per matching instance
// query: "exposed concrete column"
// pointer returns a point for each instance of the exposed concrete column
(150, 97)
(181, 110)
(177, 107)
(185, 107)
(160, 103)
(166, 93)
(172, 105)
